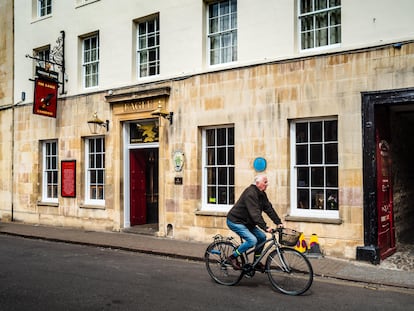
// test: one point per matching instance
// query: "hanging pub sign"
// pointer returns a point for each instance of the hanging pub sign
(45, 97)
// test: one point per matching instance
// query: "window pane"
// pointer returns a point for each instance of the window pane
(318, 199)
(321, 20)
(331, 153)
(211, 158)
(230, 133)
(301, 132)
(230, 159)
(302, 154)
(330, 130)
(332, 176)
(335, 36)
(221, 156)
(317, 178)
(231, 176)
(211, 176)
(316, 154)
(320, 4)
(306, 6)
(231, 195)
(321, 37)
(303, 177)
(316, 131)
(221, 137)
(303, 198)
(222, 174)
(332, 201)
(210, 134)
(222, 195)
(211, 195)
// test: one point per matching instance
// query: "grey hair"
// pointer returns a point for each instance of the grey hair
(259, 178)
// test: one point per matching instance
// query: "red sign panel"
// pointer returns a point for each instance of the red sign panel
(68, 175)
(45, 97)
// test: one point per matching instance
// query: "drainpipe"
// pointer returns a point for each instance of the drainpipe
(22, 99)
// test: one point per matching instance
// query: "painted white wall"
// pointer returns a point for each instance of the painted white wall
(266, 31)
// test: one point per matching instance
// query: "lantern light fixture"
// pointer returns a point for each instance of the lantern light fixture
(160, 112)
(95, 124)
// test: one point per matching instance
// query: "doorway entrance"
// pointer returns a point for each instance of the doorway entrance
(143, 186)
(141, 157)
(388, 118)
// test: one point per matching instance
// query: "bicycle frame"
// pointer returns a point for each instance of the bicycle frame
(274, 243)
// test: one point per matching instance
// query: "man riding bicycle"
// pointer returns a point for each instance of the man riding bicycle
(245, 219)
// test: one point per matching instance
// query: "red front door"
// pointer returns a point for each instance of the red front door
(138, 201)
(386, 229)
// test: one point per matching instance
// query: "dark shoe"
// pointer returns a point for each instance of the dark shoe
(234, 262)
(260, 267)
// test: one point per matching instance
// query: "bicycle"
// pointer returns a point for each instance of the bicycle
(288, 270)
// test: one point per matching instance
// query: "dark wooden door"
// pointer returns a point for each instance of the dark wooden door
(385, 208)
(137, 188)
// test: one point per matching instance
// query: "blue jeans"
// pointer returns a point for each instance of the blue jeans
(251, 237)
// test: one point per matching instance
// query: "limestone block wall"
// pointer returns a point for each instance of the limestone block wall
(69, 129)
(6, 101)
(260, 101)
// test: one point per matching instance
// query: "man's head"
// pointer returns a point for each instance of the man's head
(261, 182)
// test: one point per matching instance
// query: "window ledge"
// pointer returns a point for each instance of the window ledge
(51, 204)
(332, 221)
(86, 206)
(211, 213)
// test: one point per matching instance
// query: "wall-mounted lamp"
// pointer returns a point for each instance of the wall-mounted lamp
(95, 124)
(159, 112)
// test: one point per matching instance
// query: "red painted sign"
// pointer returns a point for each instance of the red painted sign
(45, 97)
(68, 175)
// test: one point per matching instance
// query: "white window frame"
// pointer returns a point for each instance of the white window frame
(309, 212)
(313, 14)
(222, 40)
(148, 43)
(50, 167)
(44, 8)
(230, 167)
(90, 61)
(98, 170)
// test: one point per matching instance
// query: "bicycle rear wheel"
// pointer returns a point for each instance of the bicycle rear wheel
(290, 272)
(221, 271)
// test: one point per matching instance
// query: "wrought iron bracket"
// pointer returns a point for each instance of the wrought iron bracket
(56, 59)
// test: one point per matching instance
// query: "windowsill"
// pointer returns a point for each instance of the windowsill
(332, 221)
(41, 18)
(86, 206)
(81, 4)
(51, 204)
(211, 213)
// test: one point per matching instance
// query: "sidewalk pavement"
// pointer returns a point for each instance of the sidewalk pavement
(327, 267)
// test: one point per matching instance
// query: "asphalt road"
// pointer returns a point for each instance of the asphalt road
(41, 275)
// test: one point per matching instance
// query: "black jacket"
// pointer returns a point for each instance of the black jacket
(248, 209)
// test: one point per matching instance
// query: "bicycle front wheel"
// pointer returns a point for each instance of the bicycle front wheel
(219, 269)
(289, 271)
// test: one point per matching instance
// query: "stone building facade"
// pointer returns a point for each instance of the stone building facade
(180, 147)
